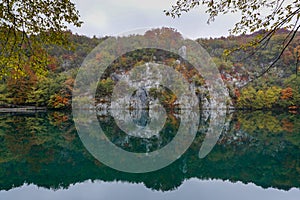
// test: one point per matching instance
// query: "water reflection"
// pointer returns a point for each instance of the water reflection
(192, 189)
(256, 147)
(94, 137)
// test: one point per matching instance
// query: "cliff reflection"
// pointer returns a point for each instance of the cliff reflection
(44, 149)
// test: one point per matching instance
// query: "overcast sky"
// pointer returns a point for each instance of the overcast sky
(110, 17)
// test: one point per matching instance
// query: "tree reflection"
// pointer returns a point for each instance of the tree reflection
(258, 147)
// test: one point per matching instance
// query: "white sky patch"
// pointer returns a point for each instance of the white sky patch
(97, 19)
(102, 18)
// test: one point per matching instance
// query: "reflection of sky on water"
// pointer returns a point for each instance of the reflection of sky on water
(191, 189)
(247, 151)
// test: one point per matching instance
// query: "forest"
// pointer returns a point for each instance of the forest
(240, 69)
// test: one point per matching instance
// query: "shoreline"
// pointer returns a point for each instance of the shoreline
(22, 109)
(32, 109)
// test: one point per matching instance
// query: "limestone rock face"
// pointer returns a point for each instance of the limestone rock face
(140, 99)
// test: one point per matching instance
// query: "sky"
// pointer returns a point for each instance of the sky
(111, 17)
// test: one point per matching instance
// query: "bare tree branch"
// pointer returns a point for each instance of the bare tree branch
(278, 57)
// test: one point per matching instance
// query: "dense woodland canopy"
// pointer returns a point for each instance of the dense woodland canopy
(280, 88)
(39, 58)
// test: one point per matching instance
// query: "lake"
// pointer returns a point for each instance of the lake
(254, 155)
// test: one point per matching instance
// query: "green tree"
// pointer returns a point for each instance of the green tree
(272, 95)
(265, 98)
(246, 98)
(26, 27)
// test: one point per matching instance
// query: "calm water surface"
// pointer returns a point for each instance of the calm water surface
(257, 156)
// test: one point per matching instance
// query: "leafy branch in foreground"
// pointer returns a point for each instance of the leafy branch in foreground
(271, 16)
(27, 27)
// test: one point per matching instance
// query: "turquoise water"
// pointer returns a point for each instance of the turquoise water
(257, 156)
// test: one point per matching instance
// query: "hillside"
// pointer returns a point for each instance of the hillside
(279, 88)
